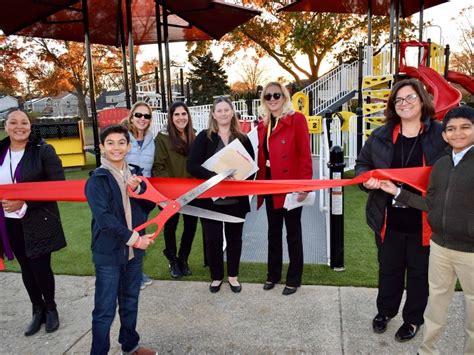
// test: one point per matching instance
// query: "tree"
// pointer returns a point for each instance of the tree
(252, 74)
(9, 63)
(463, 59)
(285, 36)
(51, 67)
(207, 79)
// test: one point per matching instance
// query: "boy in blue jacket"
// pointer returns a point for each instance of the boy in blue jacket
(117, 250)
(450, 209)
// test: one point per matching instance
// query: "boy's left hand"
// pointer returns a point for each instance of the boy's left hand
(134, 181)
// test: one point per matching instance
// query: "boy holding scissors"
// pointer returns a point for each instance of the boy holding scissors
(117, 250)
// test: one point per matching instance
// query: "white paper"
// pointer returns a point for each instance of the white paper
(232, 156)
(291, 200)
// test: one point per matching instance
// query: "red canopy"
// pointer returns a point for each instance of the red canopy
(210, 19)
(379, 7)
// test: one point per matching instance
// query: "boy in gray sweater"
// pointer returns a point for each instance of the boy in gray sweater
(450, 207)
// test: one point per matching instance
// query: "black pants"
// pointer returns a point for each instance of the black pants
(294, 238)
(189, 230)
(402, 254)
(36, 272)
(214, 234)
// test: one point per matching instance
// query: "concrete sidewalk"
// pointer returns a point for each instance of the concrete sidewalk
(183, 317)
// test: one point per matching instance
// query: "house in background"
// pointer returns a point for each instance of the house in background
(7, 102)
(40, 105)
(63, 105)
(111, 99)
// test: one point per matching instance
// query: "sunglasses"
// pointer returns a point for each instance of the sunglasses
(410, 99)
(146, 116)
(275, 95)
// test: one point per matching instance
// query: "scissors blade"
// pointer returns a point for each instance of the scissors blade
(203, 187)
(217, 216)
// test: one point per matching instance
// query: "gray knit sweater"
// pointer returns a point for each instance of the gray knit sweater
(449, 202)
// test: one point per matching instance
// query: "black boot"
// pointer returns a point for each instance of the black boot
(184, 267)
(38, 318)
(175, 271)
(52, 318)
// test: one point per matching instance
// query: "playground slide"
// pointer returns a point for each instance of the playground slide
(466, 81)
(445, 96)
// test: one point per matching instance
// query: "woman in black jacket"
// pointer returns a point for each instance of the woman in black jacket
(410, 138)
(33, 229)
(223, 129)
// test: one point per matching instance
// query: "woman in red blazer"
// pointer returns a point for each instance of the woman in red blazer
(283, 153)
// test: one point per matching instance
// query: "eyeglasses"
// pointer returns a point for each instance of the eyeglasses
(146, 116)
(410, 99)
(275, 95)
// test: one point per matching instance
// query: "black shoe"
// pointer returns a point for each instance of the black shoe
(175, 272)
(235, 289)
(184, 267)
(379, 323)
(268, 285)
(289, 290)
(36, 321)
(406, 332)
(52, 320)
(215, 289)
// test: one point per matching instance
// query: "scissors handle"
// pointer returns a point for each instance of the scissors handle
(160, 220)
(150, 194)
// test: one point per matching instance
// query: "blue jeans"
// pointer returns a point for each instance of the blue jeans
(122, 283)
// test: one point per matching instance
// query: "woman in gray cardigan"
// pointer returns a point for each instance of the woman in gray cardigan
(142, 152)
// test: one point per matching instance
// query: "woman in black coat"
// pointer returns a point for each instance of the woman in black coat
(33, 229)
(410, 138)
(223, 129)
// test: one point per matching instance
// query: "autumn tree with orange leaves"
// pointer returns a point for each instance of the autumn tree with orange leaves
(10, 61)
(51, 67)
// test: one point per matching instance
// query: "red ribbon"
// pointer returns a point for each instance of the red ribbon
(73, 190)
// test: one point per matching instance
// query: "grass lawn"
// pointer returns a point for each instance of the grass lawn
(360, 251)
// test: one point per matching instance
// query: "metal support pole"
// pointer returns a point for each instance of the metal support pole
(167, 53)
(328, 116)
(369, 25)
(160, 58)
(361, 74)
(447, 52)
(90, 72)
(428, 55)
(420, 28)
(124, 56)
(336, 172)
(360, 129)
(131, 53)
(181, 82)
(397, 39)
(392, 19)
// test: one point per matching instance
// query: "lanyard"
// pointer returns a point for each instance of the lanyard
(405, 163)
(12, 173)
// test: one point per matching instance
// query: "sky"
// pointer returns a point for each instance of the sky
(441, 17)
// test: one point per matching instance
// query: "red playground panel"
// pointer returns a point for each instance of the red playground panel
(111, 116)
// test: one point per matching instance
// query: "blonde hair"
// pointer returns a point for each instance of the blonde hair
(287, 108)
(234, 123)
(127, 121)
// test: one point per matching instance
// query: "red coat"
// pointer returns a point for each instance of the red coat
(289, 152)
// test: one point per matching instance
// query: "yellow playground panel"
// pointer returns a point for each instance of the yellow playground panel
(69, 146)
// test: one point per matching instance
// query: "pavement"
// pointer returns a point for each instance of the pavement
(182, 317)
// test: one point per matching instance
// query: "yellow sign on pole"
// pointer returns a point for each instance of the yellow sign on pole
(314, 124)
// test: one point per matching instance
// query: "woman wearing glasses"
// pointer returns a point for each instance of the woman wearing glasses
(283, 153)
(172, 148)
(223, 128)
(142, 152)
(409, 138)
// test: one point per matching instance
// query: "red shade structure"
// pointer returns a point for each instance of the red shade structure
(116, 22)
(378, 7)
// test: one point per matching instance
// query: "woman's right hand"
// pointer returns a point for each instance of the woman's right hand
(372, 184)
(389, 187)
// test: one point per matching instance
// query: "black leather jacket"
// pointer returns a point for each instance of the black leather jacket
(377, 153)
